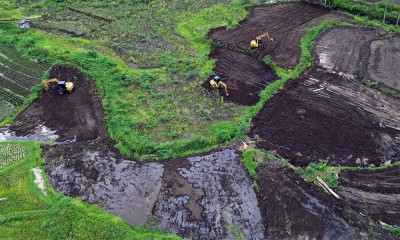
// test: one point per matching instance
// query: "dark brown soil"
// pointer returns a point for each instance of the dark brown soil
(295, 209)
(330, 117)
(244, 75)
(286, 23)
(375, 193)
(77, 116)
(376, 52)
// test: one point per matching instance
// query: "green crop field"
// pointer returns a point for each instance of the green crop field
(17, 77)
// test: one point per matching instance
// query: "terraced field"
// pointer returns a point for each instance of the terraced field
(17, 76)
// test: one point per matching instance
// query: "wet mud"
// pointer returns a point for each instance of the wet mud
(286, 24)
(362, 53)
(244, 75)
(219, 188)
(375, 193)
(94, 173)
(295, 209)
(77, 116)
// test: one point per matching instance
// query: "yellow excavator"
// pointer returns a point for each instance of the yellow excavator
(255, 43)
(216, 82)
(62, 86)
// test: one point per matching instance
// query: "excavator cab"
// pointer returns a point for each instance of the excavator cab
(64, 87)
(258, 42)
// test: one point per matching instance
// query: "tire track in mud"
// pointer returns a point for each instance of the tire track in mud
(295, 209)
(373, 192)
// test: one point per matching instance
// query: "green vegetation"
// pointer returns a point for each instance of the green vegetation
(252, 158)
(370, 9)
(330, 173)
(27, 213)
(394, 230)
(18, 76)
(381, 88)
(154, 113)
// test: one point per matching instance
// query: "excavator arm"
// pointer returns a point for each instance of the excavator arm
(222, 84)
(45, 83)
(217, 83)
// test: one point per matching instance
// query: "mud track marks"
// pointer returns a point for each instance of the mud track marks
(295, 209)
(373, 192)
(331, 117)
(228, 200)
(286, 23)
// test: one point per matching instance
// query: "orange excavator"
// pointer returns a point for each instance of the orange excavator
(257, 42)
(62, 86)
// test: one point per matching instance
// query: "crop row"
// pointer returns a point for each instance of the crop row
(13, 86)
(15, 57)
(10, 154)
(27, 69)
(19, 77)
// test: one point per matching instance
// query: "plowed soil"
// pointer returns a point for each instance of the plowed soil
(330, 117)
(373, 192)
(377, 54)
(295, 209)
(286, 23)
(244, 75)
(77, 116)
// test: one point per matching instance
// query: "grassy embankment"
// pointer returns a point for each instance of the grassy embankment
(27, 213)
(154, 113)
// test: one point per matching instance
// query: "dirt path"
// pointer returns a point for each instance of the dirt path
(244, 75)
(377, 54)
(286, 23)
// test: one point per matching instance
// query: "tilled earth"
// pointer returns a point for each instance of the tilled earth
(244, 75)
(286, 24)
(74, 117)
(373, 192)
(328, 114)
(325, 114)
(377, 54)
(295, 209)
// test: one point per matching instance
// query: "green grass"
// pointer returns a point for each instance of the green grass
(162, 112)
(155, 113)
(26, 213)
(381, 88)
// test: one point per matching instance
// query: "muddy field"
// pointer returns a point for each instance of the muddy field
(377, 54)
(286, 24)
(325, 114)
(244, 75)
(74, 117)
(328, 114)
(373, 192)
(295, 209)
